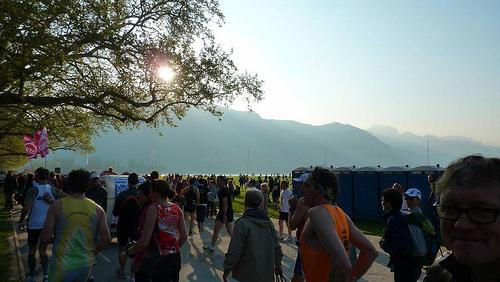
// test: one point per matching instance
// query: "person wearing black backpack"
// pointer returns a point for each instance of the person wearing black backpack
(127, 221)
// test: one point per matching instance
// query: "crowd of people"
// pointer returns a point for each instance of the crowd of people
(156, 218)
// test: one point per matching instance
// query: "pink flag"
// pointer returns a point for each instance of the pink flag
(30, 147)
(42, 142)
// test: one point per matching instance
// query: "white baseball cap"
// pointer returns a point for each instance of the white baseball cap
(303, 177)
(94, 175)
(414, 192)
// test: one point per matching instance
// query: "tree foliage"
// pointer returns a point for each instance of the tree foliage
(76, 66)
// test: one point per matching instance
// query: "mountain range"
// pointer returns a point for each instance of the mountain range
(243, 142)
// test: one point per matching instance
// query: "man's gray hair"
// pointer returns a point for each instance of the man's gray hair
(253, 198)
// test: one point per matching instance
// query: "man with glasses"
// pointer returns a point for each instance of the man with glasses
(469, 193)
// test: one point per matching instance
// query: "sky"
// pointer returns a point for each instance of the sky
(427, 66)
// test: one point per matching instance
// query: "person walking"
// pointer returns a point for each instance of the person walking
(254, 253)
(191, 200)
(162, 234)
(225, 215)
(264, 206)
(127, 221)
(96, 192)
(201, 209)
(213, 199)
(396, 239)
(10, 186)
(99, 195)
(328, 233)
(297, 221)
(419, 225)
(38, 199)
(74, 222)
(285, 195)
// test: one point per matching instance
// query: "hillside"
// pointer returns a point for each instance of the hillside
(243, 141)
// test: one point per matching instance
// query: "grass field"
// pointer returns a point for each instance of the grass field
(369, 227)
(238, 205)
(5, 251)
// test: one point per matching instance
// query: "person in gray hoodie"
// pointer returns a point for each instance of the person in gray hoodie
(254, 253)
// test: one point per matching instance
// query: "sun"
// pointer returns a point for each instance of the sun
(165, 73)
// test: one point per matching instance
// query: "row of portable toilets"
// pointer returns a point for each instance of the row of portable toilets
(360, 189)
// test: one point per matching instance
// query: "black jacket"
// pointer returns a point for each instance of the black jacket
(448, 269)
(396, 240)
(99, 195)
(10, 184)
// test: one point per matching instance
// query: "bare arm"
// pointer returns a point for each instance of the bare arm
(49, 226)
(104, 236)
(26, 210)
(224, 205)
(182, 230)
(149, 226)
(30, 196)
(324, 229)
(367, 253)
(298, 215)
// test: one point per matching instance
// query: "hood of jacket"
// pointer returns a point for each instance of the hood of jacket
(257, 217)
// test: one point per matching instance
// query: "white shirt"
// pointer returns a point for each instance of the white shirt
(285, 196)
(39, 207)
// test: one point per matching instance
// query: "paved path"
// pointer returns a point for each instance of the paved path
(198, 266)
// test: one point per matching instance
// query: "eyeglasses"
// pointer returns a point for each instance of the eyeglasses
(476, 215)
(409, 198)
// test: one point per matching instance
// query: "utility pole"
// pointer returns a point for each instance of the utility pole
(325, 156)
(428, 159)
(248, 158)
(154, 164)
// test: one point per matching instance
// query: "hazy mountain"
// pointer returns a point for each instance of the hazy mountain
(442, 150)
(243, 141)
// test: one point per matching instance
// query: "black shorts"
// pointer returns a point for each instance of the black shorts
(167, 268)
(124, 236)
(229, 217)
(189, 207)
(201, 213)
(159, 268)
(34, 236)
(283, 216)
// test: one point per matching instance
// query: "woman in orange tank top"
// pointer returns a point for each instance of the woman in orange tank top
(327, 233)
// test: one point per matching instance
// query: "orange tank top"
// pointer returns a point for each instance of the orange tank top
(317, 264)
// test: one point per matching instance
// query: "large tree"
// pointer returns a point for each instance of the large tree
(76, 66)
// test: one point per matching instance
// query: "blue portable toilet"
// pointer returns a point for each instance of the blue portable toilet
(391, 175)
(365, 193)
(345, 198)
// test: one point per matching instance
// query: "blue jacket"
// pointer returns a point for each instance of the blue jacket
(396, 240)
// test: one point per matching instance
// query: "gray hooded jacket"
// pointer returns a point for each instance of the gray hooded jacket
(254, 250)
